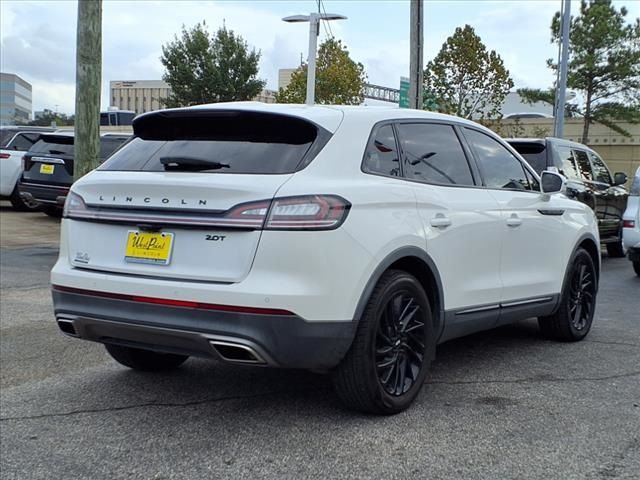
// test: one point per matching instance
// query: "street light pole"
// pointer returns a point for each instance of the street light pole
(314, 30)
(314, 27)
(416, 34)
(562, 83)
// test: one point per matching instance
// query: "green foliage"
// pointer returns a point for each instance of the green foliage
(203, 68)
(49, 117)
(339, 79)
(466, 79)
(604, 65)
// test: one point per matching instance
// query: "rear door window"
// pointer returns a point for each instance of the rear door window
(600, 170)
(235, 143)
(432, 153)
(382, 156)
(583, 164)
(568, 162)
(500, 168)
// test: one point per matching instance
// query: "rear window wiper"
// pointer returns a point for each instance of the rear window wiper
(191, 164)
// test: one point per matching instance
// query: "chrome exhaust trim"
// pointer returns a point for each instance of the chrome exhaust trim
(233, 352)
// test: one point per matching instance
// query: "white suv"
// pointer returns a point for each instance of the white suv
(350, 240)
(631, 223)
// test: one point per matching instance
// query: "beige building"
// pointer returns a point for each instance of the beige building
(138, 95)
(143, 96)
(621, 153)
(284, 77)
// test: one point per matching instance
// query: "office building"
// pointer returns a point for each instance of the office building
(15, 100)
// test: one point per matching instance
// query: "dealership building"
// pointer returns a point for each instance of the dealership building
(143, 96)
(15, 100)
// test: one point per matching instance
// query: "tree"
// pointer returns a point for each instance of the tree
(466, 79)
(203, 68)
(604, 66)
(50, 117)
(339, 79)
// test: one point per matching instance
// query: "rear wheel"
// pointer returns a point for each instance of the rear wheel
(55, 212)
(616, 249)
(144, 360)
(388, 361)
(574, 317)
(636, 268)
(20, 204)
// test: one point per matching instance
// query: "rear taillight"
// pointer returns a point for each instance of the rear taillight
(629, 223)
(310, 212)
(306, 212)
(4, 156)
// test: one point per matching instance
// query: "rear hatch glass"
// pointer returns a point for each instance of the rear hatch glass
(224, 142)
(534, 153)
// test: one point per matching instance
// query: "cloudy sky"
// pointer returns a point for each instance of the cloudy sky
(38, 37)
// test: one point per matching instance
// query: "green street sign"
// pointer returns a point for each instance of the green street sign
(404, 92)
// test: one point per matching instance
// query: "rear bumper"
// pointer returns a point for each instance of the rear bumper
(280, 341)
(47, 194)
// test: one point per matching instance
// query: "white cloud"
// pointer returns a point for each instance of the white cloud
(38, 37)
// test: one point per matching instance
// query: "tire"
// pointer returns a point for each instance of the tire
(19, 204)
(55, 212)
(636, 268)
(359, 380)
(145, 360)
(616, 250)
(574, 317)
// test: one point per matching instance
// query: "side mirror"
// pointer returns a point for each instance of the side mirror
(619, 178)
(551, 182)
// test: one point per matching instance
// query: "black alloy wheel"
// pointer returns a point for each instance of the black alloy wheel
(573, 319)
(582, 294)
(386, 366)
(400, 344)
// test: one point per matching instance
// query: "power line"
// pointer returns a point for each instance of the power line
(326, 22)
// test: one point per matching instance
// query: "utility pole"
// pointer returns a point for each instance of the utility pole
(88, 85)
(561, 93)
(416, 54)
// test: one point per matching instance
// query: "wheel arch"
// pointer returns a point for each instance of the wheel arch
(589, 243)
(418, 263)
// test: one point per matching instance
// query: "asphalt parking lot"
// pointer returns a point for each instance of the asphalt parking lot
(497, 405)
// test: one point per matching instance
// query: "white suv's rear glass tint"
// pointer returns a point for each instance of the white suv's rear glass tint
(218, 142)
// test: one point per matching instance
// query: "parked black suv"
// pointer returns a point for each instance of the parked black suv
(588, 180)
(48, 168)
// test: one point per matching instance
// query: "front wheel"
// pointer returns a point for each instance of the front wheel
(385, 368)
(144, 360)
(572, 321)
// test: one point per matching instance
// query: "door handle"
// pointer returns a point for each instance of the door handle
(440, 221)
(514, 220)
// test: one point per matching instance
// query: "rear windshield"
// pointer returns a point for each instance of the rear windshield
(5, 136)
(53, 145)
(220, 142)
(534, 153)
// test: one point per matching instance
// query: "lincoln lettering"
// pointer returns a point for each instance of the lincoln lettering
(164, 200)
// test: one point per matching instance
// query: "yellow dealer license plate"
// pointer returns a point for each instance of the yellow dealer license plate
(148, 247)
(46, 169)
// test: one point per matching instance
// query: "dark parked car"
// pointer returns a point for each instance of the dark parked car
(48, 168)
(588, 180)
